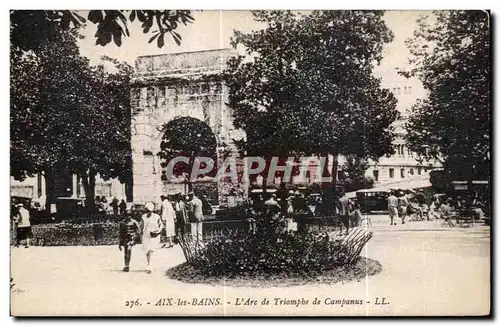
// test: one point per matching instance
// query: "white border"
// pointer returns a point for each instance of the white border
(185, 4)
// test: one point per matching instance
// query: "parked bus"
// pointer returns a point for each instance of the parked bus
(372, 200)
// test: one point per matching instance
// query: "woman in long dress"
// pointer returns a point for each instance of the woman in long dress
(151, 231)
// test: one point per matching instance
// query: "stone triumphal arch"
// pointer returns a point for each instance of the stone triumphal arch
(166, 87)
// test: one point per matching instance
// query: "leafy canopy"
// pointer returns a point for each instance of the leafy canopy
(451, 54)
(67, 114)
(305, 85)
(30, 29)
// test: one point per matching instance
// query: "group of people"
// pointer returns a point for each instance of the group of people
(290, 209)
(294, 209)
(401, 204)
(119, 207)
(444, 207)
(171, 221)
(398, 205)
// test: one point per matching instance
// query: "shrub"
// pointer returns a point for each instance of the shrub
(69, 234)
(235, 252)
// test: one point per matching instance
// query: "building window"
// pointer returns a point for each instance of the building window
(375, 175)
(391, 173)
(409, 89)
(419, 170)
(425, 170)
(399, 90)
(411, 171)
(402, 173)
(405, 90)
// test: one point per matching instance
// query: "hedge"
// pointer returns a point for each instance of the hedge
(91, 234)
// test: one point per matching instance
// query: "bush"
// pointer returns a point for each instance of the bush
(232, 253)
(69, 234)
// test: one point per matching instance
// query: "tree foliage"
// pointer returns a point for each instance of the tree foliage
(67, 115)
(353, 174)
(30, 29)
(305, 85)
(451, 54)
(187, 137)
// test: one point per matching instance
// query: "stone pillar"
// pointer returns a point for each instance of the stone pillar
(43, 192)
(74, 186)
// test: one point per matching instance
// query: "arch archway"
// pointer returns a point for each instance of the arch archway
(188, 137)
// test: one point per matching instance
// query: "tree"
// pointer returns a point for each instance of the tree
(306, 87)
(353, 172)
(451, 56)
(187, 137)
(31, 29)
(68, 116)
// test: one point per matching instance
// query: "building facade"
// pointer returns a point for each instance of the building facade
(404, 168)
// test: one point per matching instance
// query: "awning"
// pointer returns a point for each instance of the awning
(402, 184)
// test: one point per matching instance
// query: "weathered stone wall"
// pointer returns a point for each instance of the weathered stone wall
(167, 87)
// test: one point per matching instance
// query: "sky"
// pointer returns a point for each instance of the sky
(213, 30)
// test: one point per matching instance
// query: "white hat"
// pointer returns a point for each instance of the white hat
(150, 206)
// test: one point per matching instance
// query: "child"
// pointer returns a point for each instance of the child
(129, 233)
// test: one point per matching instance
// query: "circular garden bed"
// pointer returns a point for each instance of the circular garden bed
(356, 271)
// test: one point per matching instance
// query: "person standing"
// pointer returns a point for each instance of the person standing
(180, 215)
(23, 226)
(151, 230)
(123, 207)
(271, 207)
(206, 207)
(129, 233)
(114, 205)
(392, 202)
(344, 211)
(168, 219)
(196, 217)
(403, 206)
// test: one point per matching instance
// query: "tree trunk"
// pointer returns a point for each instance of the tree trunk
(470, 168)
(335, 167)
(88, 182)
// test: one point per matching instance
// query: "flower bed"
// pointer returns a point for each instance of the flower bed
(235, 252)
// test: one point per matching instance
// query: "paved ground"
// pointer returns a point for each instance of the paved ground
(427, 270)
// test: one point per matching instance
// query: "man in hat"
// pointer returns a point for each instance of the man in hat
(392, 203)
(180, 214)
(195, 211)
(23, 226)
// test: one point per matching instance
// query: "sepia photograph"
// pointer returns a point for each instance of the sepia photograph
(171, 163)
